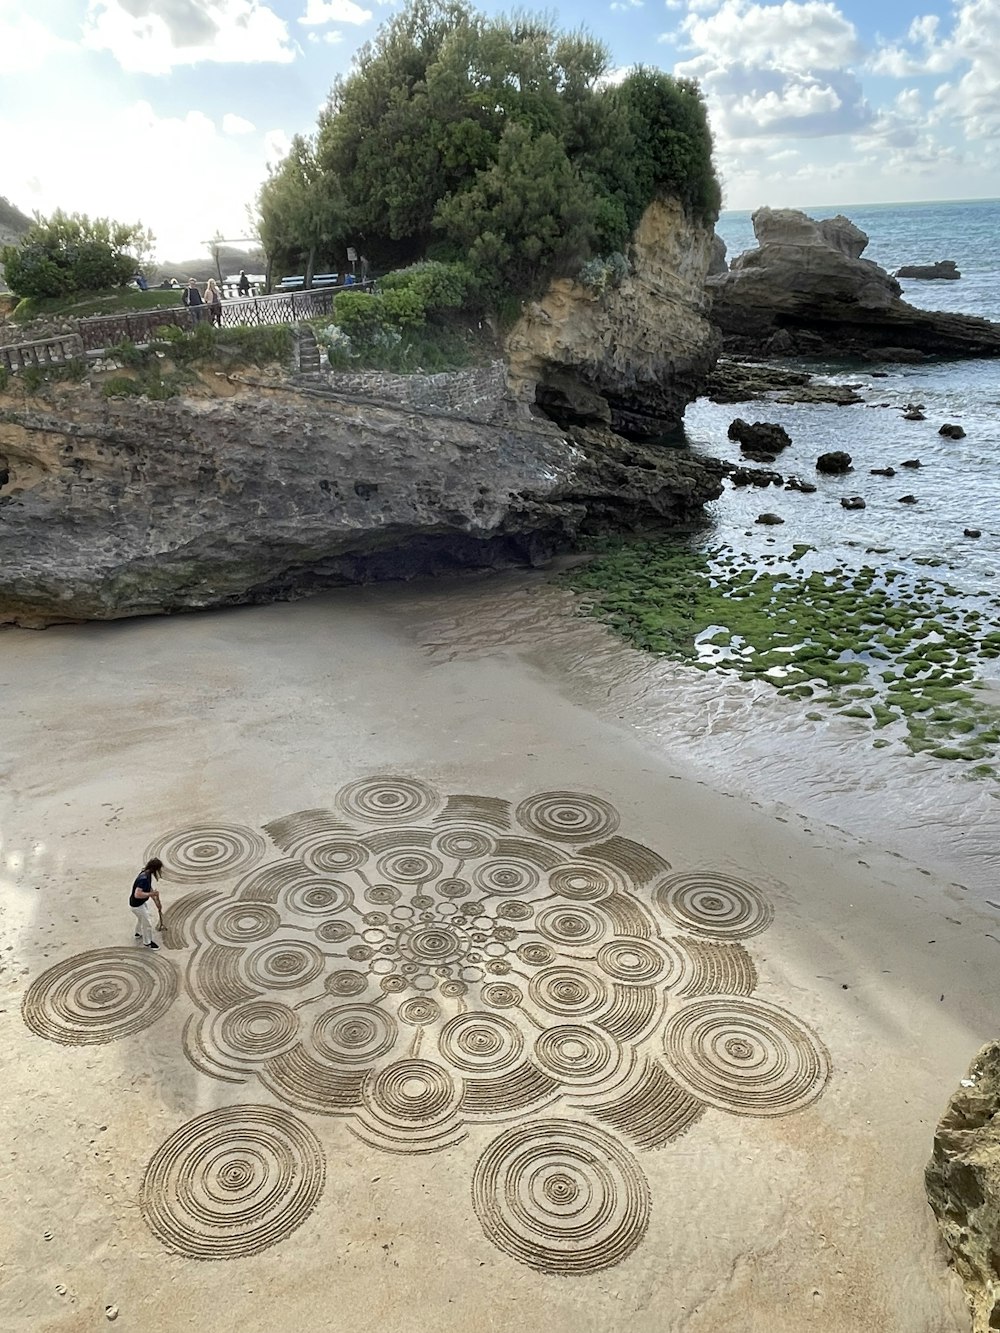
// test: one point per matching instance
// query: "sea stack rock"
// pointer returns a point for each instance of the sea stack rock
(963, 1185)
(806, 290)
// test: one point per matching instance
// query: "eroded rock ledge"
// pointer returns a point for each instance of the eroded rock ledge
(963, 1185)
(251, 491)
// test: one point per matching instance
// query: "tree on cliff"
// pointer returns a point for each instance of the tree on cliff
(458, 136)
(301, 212)
(70, 252)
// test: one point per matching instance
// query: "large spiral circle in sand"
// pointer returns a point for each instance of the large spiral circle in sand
(481, 1043)
(745, 1056)
(561, 1196)
(208, 852)
(568, 816)
(283, 964)
(568, 992)
(387, 800)
(232, 1182)
(714, 904)
(258, 1029)
(100, 996)
(353, 1035)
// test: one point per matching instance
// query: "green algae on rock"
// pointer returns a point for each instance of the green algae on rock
(884, 649)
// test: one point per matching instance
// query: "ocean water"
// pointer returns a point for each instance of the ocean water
(745, 737)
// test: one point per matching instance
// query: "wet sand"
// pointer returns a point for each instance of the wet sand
(793, 1199)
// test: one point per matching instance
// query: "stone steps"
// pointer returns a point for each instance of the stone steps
(307, 359)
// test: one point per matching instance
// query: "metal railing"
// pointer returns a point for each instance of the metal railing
(55, 351)
(140, 326)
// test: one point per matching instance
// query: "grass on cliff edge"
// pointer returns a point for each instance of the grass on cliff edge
(897, 652)
(113, 301)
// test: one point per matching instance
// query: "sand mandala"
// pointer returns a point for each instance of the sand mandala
(422, 966)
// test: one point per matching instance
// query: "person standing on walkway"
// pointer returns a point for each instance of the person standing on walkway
(192, 299)
(142, 890)
(213, 299)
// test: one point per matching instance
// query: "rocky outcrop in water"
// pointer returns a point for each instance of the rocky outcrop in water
(806, 291)
(246, 491)
(963, 1185)
(944, 269)
(633, 354)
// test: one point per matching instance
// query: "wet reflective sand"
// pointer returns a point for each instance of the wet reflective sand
(709, 1108)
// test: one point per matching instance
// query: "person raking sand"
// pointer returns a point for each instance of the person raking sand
(143, 890)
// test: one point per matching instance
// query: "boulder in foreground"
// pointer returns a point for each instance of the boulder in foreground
(963, 1185)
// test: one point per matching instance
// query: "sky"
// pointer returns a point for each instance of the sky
(168, 111)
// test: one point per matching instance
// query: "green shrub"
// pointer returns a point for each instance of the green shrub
(440, 286)
(70, 252)
(4, 378)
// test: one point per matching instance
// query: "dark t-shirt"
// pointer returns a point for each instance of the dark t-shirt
(143, 881)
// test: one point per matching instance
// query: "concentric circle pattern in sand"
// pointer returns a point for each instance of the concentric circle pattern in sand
(100, 996)
(232, 1182)
(208, 852)
(561, 1196)
(416, 963)
(714, 904)
(745, 1056)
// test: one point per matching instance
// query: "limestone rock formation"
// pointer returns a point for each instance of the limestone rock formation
(717, 262)
(963, 1185)
(945, 269)
(247, 491)
(806, 291)
(633, 355)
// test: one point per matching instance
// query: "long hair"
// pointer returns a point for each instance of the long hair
(155, 867)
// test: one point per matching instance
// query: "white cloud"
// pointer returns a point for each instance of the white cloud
(771, 70)
(83, 172)
(622, 6)
(811, 35)
(236, 124)
(25, 44)
(333, 11)
(155, 36)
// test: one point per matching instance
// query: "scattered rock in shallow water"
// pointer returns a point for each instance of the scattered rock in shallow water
(912, 462)
(771, 520)
(758, 456)
(853, 502)
(834, 463)
(883, 471)
(972, 532)
(907, 499)
(944, 268)
(952, 432)
(914, 415)
(962, 1181)
(879, 374)
(762, 436)
(798, 484)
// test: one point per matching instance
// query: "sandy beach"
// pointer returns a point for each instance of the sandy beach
(680, 1071)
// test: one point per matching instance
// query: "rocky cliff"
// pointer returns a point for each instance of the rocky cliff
(246, 491)
(633, 354)
(963, 1185)
(806, 290)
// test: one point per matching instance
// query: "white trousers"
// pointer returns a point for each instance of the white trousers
(145, 921)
